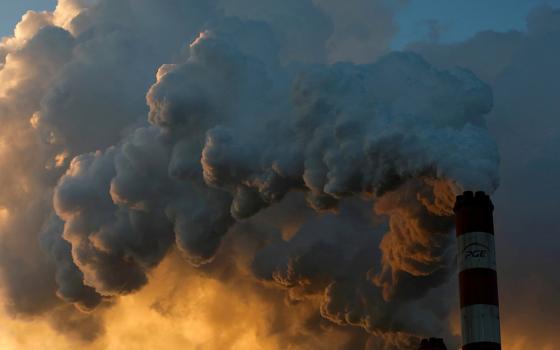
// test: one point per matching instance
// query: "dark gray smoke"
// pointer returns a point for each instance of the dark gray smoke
(338, 178)
(232, 135)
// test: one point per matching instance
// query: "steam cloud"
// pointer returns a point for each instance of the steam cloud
(259, 160)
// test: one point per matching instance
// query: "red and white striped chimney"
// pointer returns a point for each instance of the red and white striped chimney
(478, 286)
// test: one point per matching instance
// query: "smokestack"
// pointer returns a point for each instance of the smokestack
(432, 344)
(478, 286)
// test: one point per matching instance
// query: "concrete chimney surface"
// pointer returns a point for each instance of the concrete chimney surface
(476, 260)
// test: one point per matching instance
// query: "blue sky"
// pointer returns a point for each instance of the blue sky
(12, 10)
(454, 20)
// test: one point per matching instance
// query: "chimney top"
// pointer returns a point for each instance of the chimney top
(432, 344)
(470, 199)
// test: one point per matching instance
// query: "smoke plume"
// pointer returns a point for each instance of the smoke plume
(151, 150)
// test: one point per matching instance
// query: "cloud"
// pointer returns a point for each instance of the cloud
(299, 26)
(363, 29)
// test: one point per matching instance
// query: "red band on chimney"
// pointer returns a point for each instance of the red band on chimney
(474, 213)
(478, 286)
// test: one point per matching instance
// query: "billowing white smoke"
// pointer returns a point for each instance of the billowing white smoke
(241, 119)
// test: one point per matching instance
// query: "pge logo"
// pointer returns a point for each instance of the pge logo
(475, 250)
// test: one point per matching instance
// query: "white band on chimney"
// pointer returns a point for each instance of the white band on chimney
(480, 323)
(476, 250)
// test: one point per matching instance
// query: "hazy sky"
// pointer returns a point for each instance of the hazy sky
(456, 20)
